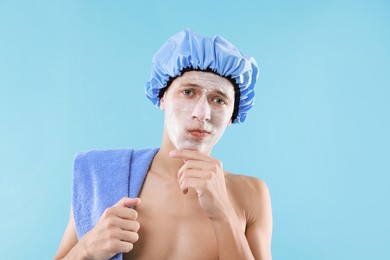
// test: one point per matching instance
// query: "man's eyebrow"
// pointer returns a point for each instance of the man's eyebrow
(188, 84)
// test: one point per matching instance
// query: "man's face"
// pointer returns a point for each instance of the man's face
(198, 108)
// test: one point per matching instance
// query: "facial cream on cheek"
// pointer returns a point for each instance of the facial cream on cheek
(176, 119)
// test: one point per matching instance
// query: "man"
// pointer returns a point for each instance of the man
(176, 202)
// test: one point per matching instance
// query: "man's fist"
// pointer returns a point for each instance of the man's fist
(115, 232)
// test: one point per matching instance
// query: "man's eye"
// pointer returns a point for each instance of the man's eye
(219, 101)
(187, 92)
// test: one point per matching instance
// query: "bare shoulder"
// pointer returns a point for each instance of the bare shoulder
(246, 186)
(250, 195)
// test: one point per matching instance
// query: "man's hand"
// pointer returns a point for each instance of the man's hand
(205, 175)
(115, 232)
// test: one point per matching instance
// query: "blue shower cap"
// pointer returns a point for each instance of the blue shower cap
(188, 50)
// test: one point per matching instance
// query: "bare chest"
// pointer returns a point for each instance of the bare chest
(173, 225)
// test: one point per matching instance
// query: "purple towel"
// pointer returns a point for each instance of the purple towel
(103, 177)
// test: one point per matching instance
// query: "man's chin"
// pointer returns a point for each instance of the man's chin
(193, 147)
(190, 148)
(203, 150)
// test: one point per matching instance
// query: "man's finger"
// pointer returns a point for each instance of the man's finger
(191, 183)
(122, 212)
(127, 202)
(131, 225)
(193, 173)
(195, 165)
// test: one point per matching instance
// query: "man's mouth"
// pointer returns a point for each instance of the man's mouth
(199, 133)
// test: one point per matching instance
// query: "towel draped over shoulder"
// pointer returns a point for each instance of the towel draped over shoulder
(103, 177)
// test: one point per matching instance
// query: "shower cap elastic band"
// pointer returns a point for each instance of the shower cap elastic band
(187, 49)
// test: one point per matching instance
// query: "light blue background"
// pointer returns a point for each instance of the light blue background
(72, 75)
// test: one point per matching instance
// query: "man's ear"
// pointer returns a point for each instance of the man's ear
(230, 122)
(162, 102)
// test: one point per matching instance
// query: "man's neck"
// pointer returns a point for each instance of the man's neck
(165, 165)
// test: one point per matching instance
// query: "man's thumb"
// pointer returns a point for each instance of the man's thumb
(127, 202)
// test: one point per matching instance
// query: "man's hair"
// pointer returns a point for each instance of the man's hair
(235, 86)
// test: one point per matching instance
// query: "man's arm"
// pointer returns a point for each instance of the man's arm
(206, 176)
(69, 247)
(69, 239)
(258, 233)
(231, 240)
(259, 220)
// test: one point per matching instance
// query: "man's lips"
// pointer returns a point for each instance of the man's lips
(198, 132)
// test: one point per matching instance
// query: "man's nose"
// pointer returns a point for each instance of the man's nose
(201, 110)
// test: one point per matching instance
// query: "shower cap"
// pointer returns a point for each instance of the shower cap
(188, 50)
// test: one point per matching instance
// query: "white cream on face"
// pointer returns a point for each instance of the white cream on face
(198, 108)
